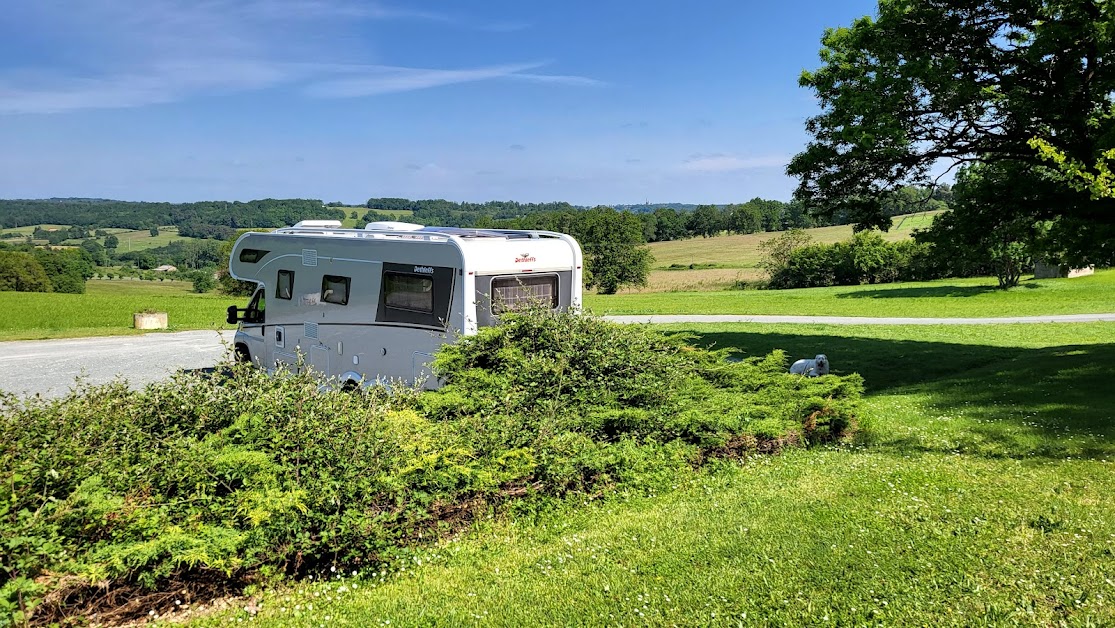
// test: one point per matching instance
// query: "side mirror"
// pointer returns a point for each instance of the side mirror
(232, 318)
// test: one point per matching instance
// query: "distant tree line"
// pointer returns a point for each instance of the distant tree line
(613, 241)
(660, 222)
(445, 213)
(182, 254)
(206, 219)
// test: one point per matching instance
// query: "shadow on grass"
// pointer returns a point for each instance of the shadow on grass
(926, 292)
(984, 400)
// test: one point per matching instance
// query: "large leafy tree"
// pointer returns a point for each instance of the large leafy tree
(21, 272)
(977, 236)
(928, 83)
(612, 243)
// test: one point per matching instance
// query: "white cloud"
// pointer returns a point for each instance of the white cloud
(161, 83)
(142, 52)
(731, 163)
(558, 79)
(373, 80)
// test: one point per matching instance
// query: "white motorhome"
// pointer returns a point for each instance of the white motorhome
(374, 304)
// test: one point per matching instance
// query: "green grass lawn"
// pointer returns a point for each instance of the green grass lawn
(106, 309)
(979, 493)
(948, 298)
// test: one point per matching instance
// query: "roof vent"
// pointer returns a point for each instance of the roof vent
(319, 224)
(390, 225)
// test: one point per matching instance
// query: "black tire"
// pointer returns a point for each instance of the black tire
(242, 354)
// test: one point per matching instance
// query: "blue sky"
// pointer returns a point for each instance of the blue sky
(597, 102)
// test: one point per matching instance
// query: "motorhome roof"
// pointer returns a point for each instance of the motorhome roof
(461, 232)
(417, 232)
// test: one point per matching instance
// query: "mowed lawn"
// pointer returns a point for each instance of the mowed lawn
(981, 491)
(949, 298)
(106, 309)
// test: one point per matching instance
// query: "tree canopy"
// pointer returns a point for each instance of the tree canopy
(932, 82)
(612, 243)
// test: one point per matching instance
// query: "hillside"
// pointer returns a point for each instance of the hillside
(721, 261)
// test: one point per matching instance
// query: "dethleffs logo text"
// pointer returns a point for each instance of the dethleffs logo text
(525, 257)
(426, 270)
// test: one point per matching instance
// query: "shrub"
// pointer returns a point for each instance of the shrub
(255, 476)
(777, 250)
(204, 282)
(866, 258)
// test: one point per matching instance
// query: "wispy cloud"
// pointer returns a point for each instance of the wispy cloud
(143, 52)
(720, 162)
(160, 83)
(373, 80)
(558, 79)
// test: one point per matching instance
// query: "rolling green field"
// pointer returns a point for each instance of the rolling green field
(742, 251)
(949, 298)
(130, 239)
(106, 309)
(141, 240)
(402, 215)
(731, 258)
(29, 230)
(979, 493)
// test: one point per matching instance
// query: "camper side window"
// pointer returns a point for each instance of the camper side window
(284, 285)
(415, 294)
(518, 292)
(334, 289)
(408, 292)
(251, 256)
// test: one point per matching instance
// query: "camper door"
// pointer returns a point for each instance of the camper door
(252, 323)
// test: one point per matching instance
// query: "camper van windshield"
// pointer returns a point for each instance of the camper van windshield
(408, 292)
(257, 308)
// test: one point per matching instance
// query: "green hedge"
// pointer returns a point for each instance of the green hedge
(257, 476)
(865, 259)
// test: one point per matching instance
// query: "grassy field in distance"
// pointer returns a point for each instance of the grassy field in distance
(28, 230)
(742, 251)
(978, 494)
(358, 222)
(736, 257)
(141, 240)
(949, 298)
(106, 309)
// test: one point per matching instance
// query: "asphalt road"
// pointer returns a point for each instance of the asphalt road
(51, 367)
